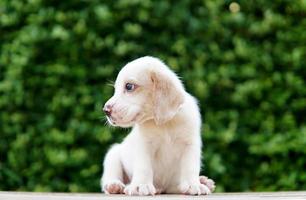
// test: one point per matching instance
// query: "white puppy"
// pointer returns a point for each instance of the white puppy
(162, 154)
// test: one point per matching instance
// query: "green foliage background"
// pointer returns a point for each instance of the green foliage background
(247, 69)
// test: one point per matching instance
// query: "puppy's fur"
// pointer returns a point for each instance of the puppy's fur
(162, 154)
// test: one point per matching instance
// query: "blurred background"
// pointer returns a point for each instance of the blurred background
(243, 60)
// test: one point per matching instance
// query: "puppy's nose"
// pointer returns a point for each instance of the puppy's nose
(107, 110)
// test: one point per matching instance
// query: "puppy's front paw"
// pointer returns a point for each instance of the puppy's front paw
(208, 182)
(140, 189)
(194, 188)
(113, 187)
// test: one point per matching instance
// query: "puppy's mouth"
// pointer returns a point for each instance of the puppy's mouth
(111, 120)
(122, 123)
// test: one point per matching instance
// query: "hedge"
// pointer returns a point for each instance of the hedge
(244, 61)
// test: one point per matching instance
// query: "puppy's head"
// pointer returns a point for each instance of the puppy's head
(145, 89)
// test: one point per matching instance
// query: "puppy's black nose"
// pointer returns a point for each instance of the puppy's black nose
(107, 110)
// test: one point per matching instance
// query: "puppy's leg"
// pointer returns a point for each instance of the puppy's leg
(190, 169)
(142, 178)
(112, 179)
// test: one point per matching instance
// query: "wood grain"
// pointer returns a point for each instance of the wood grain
(99, 196)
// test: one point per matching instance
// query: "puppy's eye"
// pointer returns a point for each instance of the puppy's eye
(130, 87)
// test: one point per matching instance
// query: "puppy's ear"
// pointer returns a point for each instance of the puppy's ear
(167, 97)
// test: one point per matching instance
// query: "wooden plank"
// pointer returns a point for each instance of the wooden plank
(98, 196)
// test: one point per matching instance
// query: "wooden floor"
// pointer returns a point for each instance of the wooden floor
(98, 196)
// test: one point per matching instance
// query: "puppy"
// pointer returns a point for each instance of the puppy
(162, 154)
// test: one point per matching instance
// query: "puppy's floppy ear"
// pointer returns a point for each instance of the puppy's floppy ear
(167, 97)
